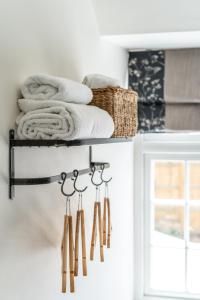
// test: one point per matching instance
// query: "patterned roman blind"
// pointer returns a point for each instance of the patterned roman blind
(146, 77)
(168, 85)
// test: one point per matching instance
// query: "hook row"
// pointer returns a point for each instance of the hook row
(75, 177)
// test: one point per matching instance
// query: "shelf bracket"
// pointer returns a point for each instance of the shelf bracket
(11, 164)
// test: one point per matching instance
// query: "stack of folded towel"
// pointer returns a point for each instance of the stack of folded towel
(98, 81)
(55, 108)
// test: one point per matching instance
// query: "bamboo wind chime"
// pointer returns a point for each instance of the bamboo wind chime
(97, 214)
(80, 218)
(69, 253)
(104, 226)
(67, 241)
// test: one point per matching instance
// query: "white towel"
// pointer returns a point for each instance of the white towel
(46, 87)
(50, 119)
(97, 81)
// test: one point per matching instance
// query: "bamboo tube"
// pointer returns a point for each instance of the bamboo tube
(109, 223)
(71, 258)
(93, 232)
(78, 215)
(84, 262)
(64, 255)
(104, 220)
(100, 232)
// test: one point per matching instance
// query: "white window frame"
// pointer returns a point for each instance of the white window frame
(148, 147)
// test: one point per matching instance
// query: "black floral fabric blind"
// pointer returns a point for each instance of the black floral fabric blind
(146, 77)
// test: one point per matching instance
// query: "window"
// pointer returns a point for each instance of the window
(167, 225)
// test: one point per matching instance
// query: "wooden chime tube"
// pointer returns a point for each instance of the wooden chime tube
(64, 255)
(67, 242)
(100, 233)
(80, 220)
(109, 223)
(84, 262)
(93, 231)
(97, 214)
(78, 215)
(71, 254)
(106, 222)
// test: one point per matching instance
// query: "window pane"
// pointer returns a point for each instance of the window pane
(169, 220)
(195, 180)
(167, 269)
(195, 224)
(169, 180)
(193, 271)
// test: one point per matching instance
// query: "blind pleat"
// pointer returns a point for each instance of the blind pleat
(182, 89)
(182, 116)
(182, 76)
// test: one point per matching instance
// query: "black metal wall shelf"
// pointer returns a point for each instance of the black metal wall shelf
(60, 143)
(53, 143)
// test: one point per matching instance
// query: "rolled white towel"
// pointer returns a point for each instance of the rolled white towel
(97, 81)
(46, 87)
(51, 119)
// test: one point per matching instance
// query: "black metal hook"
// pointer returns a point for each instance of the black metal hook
(105, 181)
(76, 174)
(92, 177)
(64, 177)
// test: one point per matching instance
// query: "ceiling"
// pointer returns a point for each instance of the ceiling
(149, 23)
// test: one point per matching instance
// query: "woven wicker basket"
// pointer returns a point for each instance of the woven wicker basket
(121, 104)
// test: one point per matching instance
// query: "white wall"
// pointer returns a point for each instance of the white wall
(147, 16)
(60, 38)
